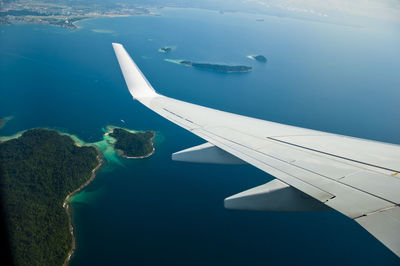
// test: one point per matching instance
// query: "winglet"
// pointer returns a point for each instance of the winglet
(137, 84)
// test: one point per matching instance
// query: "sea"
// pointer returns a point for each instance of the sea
(154, 211)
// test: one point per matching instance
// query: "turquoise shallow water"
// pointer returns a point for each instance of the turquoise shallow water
(158, 212)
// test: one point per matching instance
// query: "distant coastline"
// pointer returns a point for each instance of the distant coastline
(63, 15)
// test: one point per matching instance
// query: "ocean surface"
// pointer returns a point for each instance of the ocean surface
(335, 78)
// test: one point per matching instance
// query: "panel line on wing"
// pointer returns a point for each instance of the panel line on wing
(240, 155)
(344, 183)
(180, 120)
(333, 155)
(377, 201)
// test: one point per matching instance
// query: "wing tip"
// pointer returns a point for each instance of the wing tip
(137, 84)
(116, 44)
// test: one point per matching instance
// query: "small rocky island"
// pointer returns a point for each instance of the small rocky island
(259, 58)
(40, 169)
(213, 67)
(165, 49)
(133, 144)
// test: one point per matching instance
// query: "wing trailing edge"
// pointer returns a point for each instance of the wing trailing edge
(206, 153)
(385, 226)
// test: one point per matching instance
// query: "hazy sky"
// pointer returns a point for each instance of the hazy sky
(382, 9)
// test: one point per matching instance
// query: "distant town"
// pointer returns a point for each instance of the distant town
(59, 13)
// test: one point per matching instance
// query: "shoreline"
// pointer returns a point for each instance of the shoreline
(79, 18)
(66, 203)
(101, 160)
(94, 17)
(138, 157)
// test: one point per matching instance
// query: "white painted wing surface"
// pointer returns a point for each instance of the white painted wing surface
(356, 177)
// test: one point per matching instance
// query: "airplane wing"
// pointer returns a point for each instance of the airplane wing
(314, 170)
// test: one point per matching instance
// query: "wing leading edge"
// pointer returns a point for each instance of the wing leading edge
(359, 178)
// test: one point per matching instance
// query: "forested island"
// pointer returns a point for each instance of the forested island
(39, 169)
(213, 67)
(133, 144)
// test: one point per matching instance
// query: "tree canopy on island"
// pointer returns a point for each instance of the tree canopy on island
(136, 144)
(38, 170)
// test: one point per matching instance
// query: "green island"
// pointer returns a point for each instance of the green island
(133, 144)
(212, 67)
(40, 169)
(259, 58)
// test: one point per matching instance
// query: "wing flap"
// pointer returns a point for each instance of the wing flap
(345, 199)
(367, 152)
(385, 226)
(273, 196)
(380, 185)
(206, 153)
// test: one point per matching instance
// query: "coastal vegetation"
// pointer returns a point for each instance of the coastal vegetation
(136, 144)
(38, 170)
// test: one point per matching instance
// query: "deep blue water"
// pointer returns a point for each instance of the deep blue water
(157, 212)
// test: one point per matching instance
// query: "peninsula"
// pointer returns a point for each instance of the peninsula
(259, 58)
(40, 169)
(133, 144)
(213, 67)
